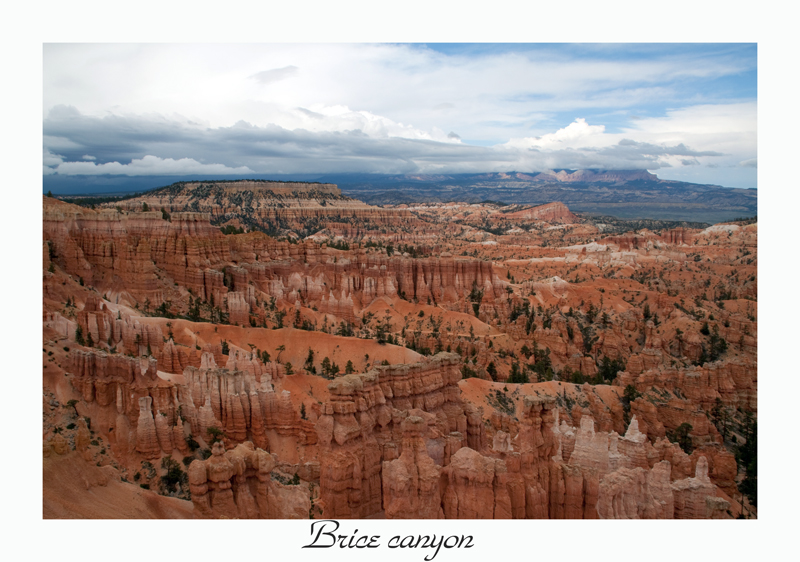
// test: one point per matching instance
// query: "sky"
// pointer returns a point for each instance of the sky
(122, 111)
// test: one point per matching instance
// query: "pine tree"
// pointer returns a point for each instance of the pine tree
(681, 437)
(517, 375)
(746, 456)
(309, 364)
(491, 370)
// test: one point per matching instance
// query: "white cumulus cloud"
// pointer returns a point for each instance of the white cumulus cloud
(578, 134)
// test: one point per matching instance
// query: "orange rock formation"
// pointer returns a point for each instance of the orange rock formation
(431, 361)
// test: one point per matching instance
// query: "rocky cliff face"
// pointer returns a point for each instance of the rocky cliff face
(129, 255)
(733, 382)
(396, 440)
(411, 481)
(362, 426)
(551, 212)
(142, 260)
(241, 484)
(342, 287)
(625, 477)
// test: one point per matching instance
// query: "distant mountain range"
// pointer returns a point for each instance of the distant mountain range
(621, 193)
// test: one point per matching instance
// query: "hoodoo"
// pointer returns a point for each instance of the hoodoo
(247, 349)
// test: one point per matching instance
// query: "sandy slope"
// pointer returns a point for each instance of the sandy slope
(75, 489)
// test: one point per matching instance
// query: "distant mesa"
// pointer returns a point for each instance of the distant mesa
(627, 194)
(275, 187)
(589, 176)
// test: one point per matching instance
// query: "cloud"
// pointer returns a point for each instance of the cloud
(147, 166)
(341, 118)
(410, 84)
(275, 75)
(577, 134)
(247, 148)
(50, 159)
(581, 145)
(59, 143)
(702, 119)
(661, 149)
(309, 113)
(388, 107)
(342, 141)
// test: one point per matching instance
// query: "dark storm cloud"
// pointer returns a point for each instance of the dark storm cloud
(114, 137)
(142, 145)
(264, 149)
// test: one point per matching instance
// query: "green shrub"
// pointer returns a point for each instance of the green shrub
(216, 434)
(174, 476)
(681, 437)
(192, 444)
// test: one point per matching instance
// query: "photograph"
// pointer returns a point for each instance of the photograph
(331, 281)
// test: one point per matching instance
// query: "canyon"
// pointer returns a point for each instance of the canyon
(250, 349)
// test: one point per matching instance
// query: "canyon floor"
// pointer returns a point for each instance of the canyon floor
(262, 350)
